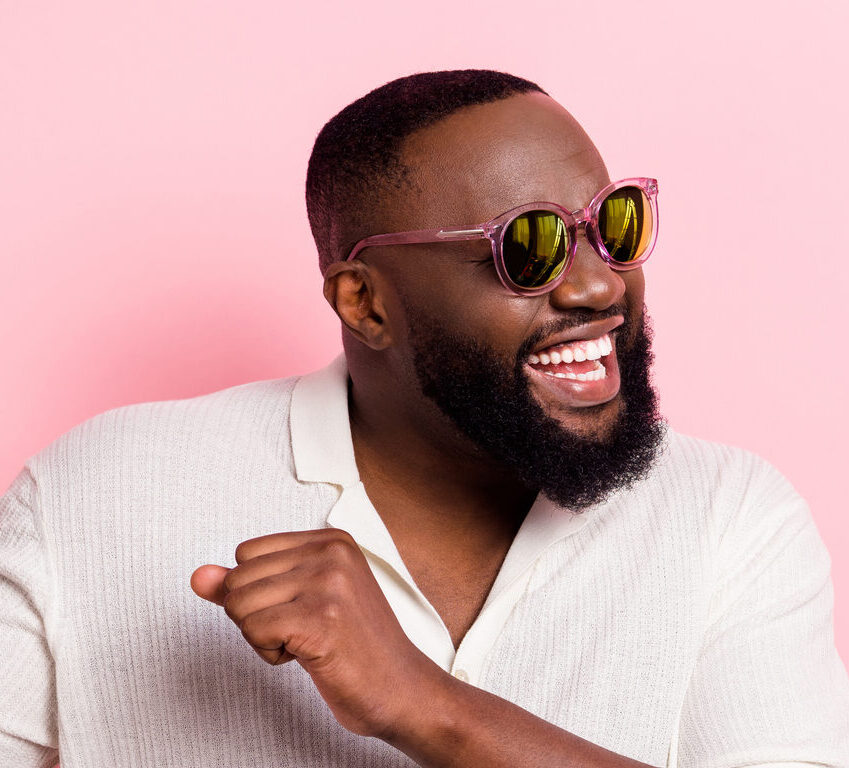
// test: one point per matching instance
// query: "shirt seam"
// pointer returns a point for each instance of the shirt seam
(51, 615)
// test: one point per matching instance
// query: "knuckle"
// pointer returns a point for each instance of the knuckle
(242, 552)
(231, 606)
(259, 631)
(231, 580)
(336, 534)
(249, 628)
(334, 581)
(338, 549)
(330, 611)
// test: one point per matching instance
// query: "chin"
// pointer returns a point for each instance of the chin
(593, 422)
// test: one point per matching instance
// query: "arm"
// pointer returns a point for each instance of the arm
(310, 596)
(768, 686)
(466, 727)
(28, 731)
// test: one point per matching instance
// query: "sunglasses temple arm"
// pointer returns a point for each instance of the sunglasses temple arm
(419, 236)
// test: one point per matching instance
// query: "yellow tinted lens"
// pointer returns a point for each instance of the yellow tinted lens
(625, 224)
(536, 245)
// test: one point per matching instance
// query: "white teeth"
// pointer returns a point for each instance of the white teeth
(595, 375)
(599, 373)
(579, 351)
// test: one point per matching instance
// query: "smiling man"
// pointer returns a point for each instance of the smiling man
(469, 541)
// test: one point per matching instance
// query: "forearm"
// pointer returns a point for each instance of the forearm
(464, 727)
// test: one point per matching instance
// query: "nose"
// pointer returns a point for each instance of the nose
(590, 283)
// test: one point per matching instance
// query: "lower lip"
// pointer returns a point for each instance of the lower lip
(580, 394)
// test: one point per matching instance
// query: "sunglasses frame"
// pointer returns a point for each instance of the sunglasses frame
(494, 229)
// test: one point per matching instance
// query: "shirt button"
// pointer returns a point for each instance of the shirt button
(461, 675)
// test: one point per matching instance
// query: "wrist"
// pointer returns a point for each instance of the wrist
(428, 719)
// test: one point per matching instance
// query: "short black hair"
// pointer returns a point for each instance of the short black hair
(356, 156)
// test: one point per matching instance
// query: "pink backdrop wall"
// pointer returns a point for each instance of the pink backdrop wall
(154, 241)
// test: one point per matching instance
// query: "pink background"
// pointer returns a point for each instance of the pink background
(154, 241)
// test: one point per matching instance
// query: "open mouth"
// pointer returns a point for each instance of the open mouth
(576, 360)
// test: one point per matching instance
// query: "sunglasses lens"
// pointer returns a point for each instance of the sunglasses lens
(625, 224)
(535, 248)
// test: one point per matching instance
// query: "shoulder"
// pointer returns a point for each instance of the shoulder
(237, 412)
(726, 473)
(133, 451)
(704, 489)
(733, 494)
(721, 514)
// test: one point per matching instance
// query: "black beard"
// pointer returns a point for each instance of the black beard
(490, 401)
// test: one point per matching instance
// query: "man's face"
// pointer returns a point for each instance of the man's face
(471, 342)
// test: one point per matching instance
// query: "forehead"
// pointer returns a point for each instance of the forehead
(484, 160)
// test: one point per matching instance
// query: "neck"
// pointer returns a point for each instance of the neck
(419, 470)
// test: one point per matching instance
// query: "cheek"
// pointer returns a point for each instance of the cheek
(504, 322)
(461, 291)
(635, 291)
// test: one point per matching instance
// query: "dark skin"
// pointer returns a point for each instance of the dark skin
(451, 510)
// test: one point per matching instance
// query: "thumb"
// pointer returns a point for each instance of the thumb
(208, 582)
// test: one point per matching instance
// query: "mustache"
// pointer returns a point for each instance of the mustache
(574, 319)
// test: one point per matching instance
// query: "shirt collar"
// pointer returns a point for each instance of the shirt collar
(324, 453)
(322, 447)
(545, 524)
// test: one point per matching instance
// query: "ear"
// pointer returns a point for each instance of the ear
(352, 291)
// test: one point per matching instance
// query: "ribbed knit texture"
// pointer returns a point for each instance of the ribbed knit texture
(693, 612)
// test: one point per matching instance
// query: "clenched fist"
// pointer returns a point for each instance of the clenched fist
(311, 596)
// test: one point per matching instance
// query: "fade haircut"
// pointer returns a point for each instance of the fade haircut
(356, 158)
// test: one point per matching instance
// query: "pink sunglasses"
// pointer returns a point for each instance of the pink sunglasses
(534, 245)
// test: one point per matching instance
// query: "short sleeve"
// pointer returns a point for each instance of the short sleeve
(28, 723)
(768, 686)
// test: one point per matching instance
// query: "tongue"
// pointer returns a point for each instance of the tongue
(585, 367)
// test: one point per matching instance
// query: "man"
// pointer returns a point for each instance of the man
(471, 533)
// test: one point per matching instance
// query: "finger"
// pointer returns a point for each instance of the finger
(275, 657)
(261, 594)
(262, 566)
(274, 628)
(274, 542)
(208, 582)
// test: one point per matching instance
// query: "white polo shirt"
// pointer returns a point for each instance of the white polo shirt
(544, 525)
(687, 621)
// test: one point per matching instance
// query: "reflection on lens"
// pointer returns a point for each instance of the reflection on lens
(625, 225)
(535, 248)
